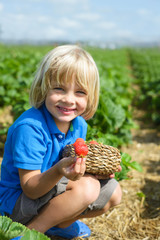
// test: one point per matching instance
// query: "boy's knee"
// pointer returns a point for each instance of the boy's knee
(114, 200)
(116, 196)
(90, 189)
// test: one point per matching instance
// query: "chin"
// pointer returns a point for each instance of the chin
(66, 119)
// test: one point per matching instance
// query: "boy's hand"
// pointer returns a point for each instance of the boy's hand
(110, 176)
(72, 168)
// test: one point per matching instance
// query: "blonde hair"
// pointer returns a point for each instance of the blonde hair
(58, 66)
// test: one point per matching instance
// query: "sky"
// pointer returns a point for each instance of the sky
(80, 20)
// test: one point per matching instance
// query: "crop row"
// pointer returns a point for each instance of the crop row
(17, 66)
(113, 120)
(146, 68)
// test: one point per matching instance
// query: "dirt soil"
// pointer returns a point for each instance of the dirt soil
(138, 215)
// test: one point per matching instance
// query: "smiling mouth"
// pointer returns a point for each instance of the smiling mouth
(65, 109)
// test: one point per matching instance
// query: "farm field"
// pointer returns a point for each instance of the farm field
(138, 215)
(128, 117)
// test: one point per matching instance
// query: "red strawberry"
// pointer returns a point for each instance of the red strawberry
(79, 141)
(81, 149)
(93, 142)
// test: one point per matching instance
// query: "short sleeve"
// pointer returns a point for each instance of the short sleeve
(28, 147)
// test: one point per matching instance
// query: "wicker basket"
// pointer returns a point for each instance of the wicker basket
(101, 159)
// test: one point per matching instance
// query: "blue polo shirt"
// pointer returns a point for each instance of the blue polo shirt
(33, 142)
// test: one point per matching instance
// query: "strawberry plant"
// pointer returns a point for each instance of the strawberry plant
(127, 164)
(113, 119)
(10, 229)
(17, 67)
(146, 69)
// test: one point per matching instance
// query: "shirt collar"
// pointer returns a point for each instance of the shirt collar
(50, 121)
(52, 125)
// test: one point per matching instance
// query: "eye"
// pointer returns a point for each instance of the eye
(58, 89)
(82, 92)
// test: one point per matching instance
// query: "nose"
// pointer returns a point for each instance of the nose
(69, 98)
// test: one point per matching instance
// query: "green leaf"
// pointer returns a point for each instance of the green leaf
(5, 224)
(34, 235)
(135, 165)
(16, 229)
(141, 195)
(126, 158)
(2, 91)
(9, 229)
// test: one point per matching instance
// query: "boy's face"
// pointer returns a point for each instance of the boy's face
(65, 102)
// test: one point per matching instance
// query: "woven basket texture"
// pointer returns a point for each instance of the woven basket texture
(101, 159)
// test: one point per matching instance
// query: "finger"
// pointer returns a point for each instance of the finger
(68, 161)
(97, 176)
(77, 166)
(83, 166)
(112, 175)
(80, 166)
(119, 168)
(66, 166)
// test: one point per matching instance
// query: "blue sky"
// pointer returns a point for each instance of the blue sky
(74, 20)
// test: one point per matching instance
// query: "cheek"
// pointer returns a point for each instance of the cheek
(82, 103)
(47, 100)
(50, 99)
